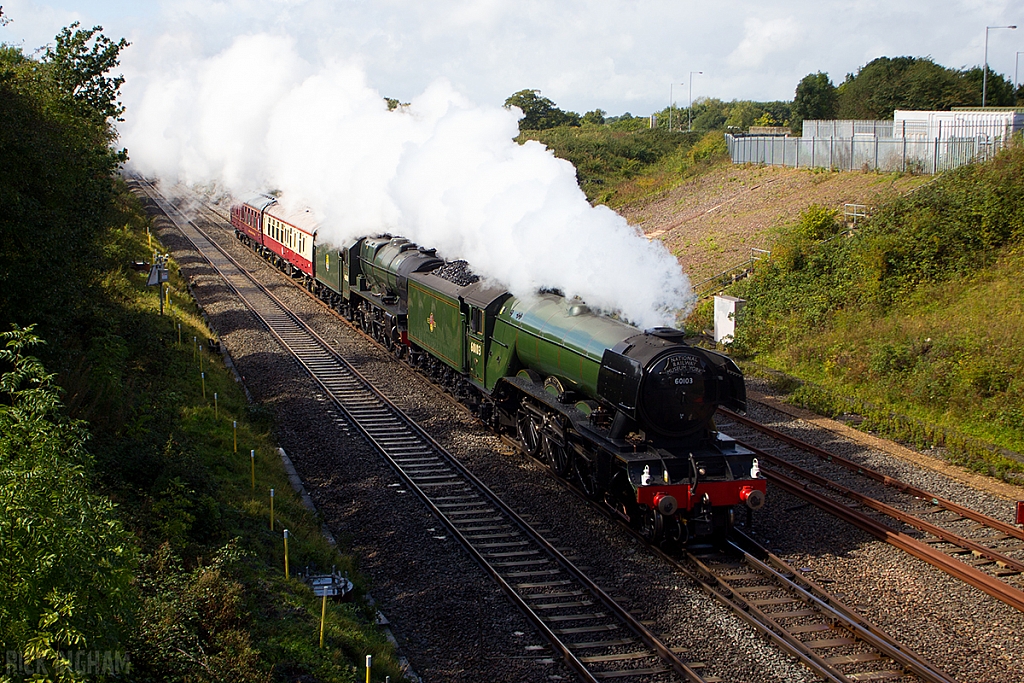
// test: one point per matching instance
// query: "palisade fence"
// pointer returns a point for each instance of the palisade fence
(868, 146)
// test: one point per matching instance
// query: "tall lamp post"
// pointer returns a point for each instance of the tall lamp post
(671, 105)
(984, 73)
(689, 109)
(1016, 63)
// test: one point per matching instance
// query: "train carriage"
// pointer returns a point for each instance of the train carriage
(247, 219)
(290, 236)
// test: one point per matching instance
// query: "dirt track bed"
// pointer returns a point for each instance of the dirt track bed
(712, 221)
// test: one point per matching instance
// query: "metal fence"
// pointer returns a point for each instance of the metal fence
(864, 151)
(717, 282)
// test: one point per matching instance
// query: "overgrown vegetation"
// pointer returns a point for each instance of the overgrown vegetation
(886, 84)
(132, 533)
(615, 166)
(912, 321)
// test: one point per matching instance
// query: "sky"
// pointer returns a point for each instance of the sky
(237, 96)
(616, 55)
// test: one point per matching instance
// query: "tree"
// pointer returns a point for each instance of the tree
(816, 98)
(595, 117)
(540, 113)
(888, 83)
(79, 69)
(66, 563)
(56, 187)
(708, 113)
(743, 115)
(999, 90)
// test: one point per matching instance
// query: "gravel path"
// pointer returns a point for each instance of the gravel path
(710, 222)
(971, 636)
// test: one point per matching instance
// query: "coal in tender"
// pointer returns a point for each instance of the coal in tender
(457, 272)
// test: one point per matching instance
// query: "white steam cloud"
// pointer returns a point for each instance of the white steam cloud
(443, 172)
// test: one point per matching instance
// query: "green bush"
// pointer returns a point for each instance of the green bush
(918, 311)
(67, 561)
(607, 155)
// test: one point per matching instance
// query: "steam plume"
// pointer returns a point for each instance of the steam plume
(442, 171)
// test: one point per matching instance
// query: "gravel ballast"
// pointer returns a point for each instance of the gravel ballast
(453, 623)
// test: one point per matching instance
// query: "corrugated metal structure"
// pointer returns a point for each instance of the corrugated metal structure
(961, 122)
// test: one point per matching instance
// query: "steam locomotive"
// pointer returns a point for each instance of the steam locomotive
(627, 415)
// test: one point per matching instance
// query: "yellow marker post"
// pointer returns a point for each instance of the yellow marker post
(200, 356)
(369, 661)
(271, 509)
(287, 575)
(179, 334)
(252, 461)
(202, 375)
(216, 408)
(234, 428)
(323, 617)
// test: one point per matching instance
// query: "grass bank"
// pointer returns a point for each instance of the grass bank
(616, 166)
(914, 321)
(201, 592)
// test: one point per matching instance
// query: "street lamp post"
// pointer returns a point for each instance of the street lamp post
(984, 73)
(689, 109)
(671, 105)
(1016, 63)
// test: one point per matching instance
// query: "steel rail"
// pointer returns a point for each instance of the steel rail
(897, 484)
(292, 333)
(860, 627)
(890, 511)
(829, 607)
(991, 585)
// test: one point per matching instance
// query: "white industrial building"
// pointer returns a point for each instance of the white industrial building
(961, 122)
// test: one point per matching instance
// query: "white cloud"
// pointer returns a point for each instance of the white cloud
(764, 39)
(618, 55)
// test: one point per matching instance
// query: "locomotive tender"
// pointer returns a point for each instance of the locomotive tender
(627, 415)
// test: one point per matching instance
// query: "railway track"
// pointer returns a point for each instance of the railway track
(790, 610)
(598, 638)
(975, 548)
(797, 615)
(827, 636)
